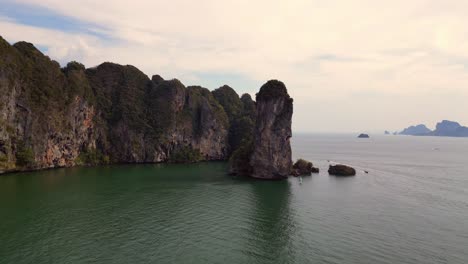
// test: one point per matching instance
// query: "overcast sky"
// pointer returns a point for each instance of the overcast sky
(351, 66)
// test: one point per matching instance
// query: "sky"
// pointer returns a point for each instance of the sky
(350, 65)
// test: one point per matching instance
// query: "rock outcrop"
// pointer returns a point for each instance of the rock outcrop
(363, 136)
(341, 170)
(303, 168)
(268, 154)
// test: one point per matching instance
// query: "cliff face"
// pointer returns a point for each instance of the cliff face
(271, 157)
(60, 117)
(241, 114)
(44, 121)
(154, 120)
(267, 155)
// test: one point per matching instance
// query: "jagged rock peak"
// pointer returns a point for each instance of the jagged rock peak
(271, 157)
(246, 97)
(272, 89)
(3, 41)
(229, 99)
(25, 46)
(75, 66)
(157, 78)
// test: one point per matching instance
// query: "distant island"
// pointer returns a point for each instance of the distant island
(444, 128)
(418, 130)
(363, 136)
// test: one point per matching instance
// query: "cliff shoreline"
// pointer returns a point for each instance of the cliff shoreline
(53, 117)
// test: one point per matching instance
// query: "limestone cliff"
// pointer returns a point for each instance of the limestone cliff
(44, 121)
(61, 117)
(268, 154)
(241, 115)
(271, 157)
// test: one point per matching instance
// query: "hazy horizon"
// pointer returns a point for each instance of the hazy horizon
(359, 66)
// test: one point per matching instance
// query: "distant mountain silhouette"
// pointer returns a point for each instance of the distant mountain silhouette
(419, 130)
(450, 129)
(444, 128)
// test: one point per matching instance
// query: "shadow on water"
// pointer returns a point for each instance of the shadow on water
(271, 223)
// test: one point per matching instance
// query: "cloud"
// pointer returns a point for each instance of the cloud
(329, 53)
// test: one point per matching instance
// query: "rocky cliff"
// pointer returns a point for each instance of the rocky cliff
(61, 117)
(46, 116)
(267, 155)
(241, 115)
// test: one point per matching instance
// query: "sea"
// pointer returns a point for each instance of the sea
(410, 207)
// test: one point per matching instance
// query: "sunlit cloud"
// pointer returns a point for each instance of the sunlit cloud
(350, 65)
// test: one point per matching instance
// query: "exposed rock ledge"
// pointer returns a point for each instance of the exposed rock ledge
(341, 170)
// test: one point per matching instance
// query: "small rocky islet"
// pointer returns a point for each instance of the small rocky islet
(54, 117)
(303, 168)
(341, 170)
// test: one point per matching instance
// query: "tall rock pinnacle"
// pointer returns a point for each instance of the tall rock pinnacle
(271, 156)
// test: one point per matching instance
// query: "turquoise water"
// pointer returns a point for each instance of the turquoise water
(412, 207)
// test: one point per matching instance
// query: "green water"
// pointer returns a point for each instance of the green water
(412, 207)
(168, 214)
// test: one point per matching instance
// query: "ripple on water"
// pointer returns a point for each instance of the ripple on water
(403, 211)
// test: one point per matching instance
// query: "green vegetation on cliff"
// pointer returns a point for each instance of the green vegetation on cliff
(92, 157)
(239, 162)
(78, 84)
(239, 113)
(229, 100)
(24, 156)
(163, 99)
(201, 100)
(109, 113)
(272, 89)
(185, 154)
(120, 93)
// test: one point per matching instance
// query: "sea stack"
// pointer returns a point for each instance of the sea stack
(341, 170)
(271, 152)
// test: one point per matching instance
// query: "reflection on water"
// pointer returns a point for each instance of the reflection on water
(272, 226)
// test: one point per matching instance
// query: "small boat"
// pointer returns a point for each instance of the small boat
(300, 180)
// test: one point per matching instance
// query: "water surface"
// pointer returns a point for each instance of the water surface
(412, 207)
